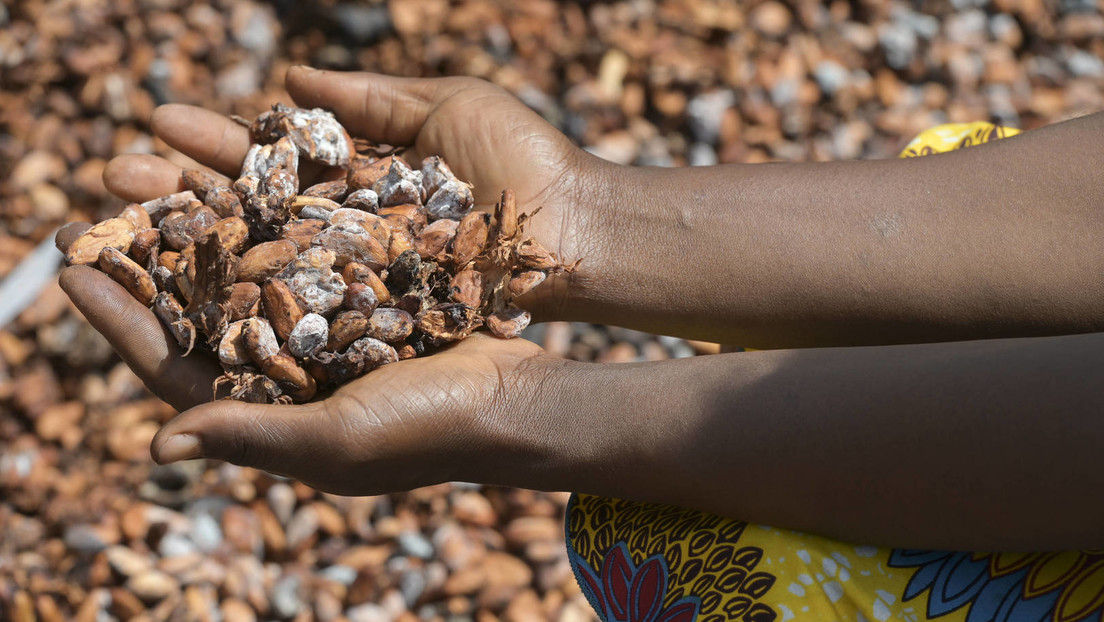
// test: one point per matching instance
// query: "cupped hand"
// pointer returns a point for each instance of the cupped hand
(406, 424)
(416, 422)
(486, 135)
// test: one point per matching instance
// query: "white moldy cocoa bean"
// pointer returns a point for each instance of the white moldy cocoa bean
(389, 324)
(311, 277)
(262, 158)
(309, 336)
(361, 297)
(434, 174)
(265, 346)
(365, 200)
(315, 132)
(231, 349)
(452, 200)
(316, 213)
(400, 186)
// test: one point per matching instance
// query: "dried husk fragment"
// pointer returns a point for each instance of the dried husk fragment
(214, 276)
(448, 322)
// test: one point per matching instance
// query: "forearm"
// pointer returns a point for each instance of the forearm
(998, 240)
(978, 445)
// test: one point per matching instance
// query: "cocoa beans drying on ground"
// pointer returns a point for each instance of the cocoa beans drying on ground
(296, 289)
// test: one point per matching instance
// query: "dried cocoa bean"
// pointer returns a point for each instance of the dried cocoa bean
(311, 277)
(280, 307)
(319, 203)
(147, 243)
(129, 274)
(390, 325)
(360, 273)
(377, 227)
(471, 237)
(315, 132)
(433, 243)
(333, 190)
(168, 259)
(360, 297)
(117, 233)
(302, 231)
(201, 182)
(364, 175)
(347, 327)
(137, 216)
(224, 202)
(266, 260)
(171, 314)
(163, 279)
(233, 233)
(180, 229)
(452, 200)
(405, 352)
(292, 378)
(413, 216)
(448, 322)
(184, 277)
(467, 288)
(260, 159)
(435, 173)
(509, 323)
(524, 282)
(351, 243)
(309, 336)
(231, 348)
(399, 186)
(244, 301)
(363, 199)
(159, 208)
(401, 242)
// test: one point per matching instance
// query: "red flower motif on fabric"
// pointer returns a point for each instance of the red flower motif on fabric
(624, 592)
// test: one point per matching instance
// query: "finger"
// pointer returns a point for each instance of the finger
(284, 439)
(139, 177)
(137, 335)
(67, 234)
(203, 135)
(380, 108)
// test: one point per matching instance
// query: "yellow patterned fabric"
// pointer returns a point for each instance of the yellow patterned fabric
(639, 562)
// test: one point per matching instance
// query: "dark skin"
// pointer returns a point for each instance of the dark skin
(986, 445)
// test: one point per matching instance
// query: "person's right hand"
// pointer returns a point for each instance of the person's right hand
(487, 136)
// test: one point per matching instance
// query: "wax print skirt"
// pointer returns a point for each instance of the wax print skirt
(641, 562)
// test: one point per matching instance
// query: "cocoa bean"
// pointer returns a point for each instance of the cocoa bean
(509, 323)
(171, 314)
(129, 274)
(265, 260)
(146, 244)
(447, 322)
(161, 207)
(471, 237)
(360, 297)
(302, 201)
(233, 233)
(231, 348)
(202, 182)
(377, 227)
(414, 215)
(333, 190)
(280, 307)
(351, 243)
(179, 229)
(315, 132)
(168, 259)
(531, 254)
(390, 325)
(433, 243)
(524, 282)
(360, 273)
(163, 279)
(364, 175)
(467, 288)
(302, 231)
(117, 233)
(347, 327)
(401, 242)
(311, 277)
(225, 202)
(452, 200)
(363, 199)
(244, 301)
(137, 216)
(309, 336)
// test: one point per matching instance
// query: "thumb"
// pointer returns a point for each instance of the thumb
(381, 108)
(283, 439)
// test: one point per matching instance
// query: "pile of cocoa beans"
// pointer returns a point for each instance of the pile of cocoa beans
(301, 291)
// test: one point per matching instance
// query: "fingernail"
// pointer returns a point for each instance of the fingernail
(179, 447)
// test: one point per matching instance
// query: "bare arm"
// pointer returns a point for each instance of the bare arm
(999, 240)
(988, 445)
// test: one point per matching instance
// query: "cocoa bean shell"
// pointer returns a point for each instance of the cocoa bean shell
(309, 336)
(146, 244)
(225, 202)
(524, 282)
(351, 244)
(360, 273)
(202, 182)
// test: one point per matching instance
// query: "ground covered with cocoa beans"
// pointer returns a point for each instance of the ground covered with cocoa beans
(91, 530)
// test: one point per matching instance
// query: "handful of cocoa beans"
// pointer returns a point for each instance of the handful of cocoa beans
(298, 291)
